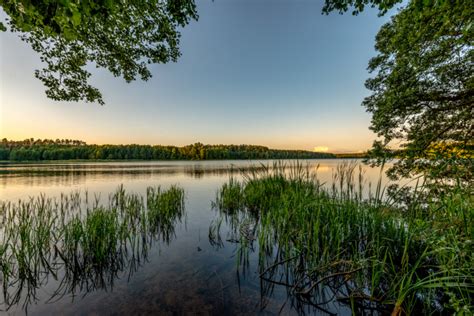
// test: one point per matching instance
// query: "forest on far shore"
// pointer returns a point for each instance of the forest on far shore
(67, 149)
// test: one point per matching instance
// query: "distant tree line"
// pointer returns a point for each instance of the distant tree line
(352, 155)
(66, 149)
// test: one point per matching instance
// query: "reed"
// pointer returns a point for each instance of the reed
(83, 243)
(366, 250)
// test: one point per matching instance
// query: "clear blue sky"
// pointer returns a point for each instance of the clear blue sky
(274, 73)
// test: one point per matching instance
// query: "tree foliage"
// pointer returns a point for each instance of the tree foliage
(123, 37)
(423, 90)
(357, 6)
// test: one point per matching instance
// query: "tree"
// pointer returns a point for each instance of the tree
(422, 100)
(423, 90)
(123, 37)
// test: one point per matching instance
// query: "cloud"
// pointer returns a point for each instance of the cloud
(321, 149)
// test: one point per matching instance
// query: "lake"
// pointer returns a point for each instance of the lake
(186, 275)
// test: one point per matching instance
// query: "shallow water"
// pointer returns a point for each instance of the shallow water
(189, 275)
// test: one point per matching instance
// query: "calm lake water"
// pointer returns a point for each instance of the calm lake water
(187, 276)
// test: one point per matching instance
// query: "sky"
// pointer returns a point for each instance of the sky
(266, 72)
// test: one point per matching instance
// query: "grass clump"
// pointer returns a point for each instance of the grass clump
(363, 249)
(164, 207)
(82, 245)
(229, 197)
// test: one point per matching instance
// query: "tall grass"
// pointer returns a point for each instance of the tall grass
(363, 249)
(81, 243)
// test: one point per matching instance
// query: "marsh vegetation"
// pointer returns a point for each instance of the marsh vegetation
(334, 243)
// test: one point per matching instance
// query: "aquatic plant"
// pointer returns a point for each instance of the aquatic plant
(327, 243)
(83, 244)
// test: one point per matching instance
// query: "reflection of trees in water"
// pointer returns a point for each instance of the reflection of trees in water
(77, 174)
(71, 175)
(78, 244)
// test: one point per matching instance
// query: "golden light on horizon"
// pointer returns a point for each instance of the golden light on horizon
(321, 149)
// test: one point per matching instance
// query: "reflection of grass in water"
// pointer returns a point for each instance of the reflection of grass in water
(334, 244)
(82, 246)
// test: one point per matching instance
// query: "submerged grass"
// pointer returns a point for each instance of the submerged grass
(82, 245)
(361, 248)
